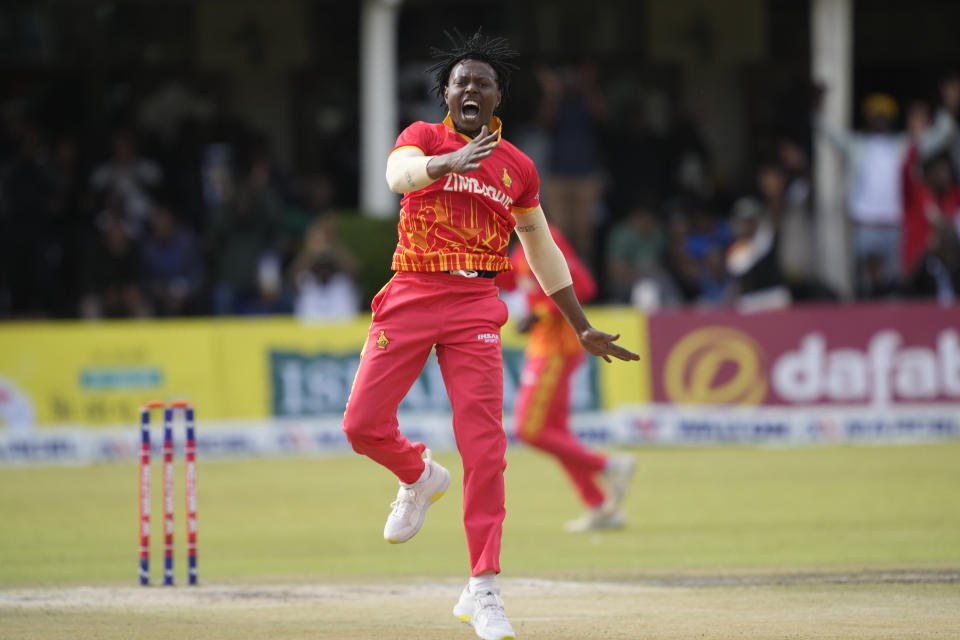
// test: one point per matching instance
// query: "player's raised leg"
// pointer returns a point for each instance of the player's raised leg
(391, 361)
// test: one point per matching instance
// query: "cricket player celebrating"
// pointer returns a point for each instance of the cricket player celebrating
(465, 189)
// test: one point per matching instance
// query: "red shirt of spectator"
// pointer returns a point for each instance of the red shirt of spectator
(921, 204)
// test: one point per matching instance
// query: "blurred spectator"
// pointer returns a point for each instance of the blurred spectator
(916, 226)
(172, 266)
(876, 283)
(111, 275)
(715, 284)
(752, 259)
(634, 249)
(785, 202)
(795, 163)
(272, 187)
(322, 276)
(571, 111)
(930, 192)
(784, 190)
(677, 259)
(677, 280)
(320, 196)
(114, 211)
(689, 159)
(707, 231)
(271, 294)
(324, 292)
(216, 176)
(950, 94)
(131, 178)
(170, 107)
(942, 193)
(242, 239)
(314, 204)
(937, 274)
(875, 202)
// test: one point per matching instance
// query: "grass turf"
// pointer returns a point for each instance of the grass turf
(690, 510)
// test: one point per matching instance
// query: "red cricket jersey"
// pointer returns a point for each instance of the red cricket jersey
(463, 221)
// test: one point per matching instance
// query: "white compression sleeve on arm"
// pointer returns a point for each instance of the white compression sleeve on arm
(545, 258)
(407, 170)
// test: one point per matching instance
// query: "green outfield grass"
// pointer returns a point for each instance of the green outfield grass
(703, 510)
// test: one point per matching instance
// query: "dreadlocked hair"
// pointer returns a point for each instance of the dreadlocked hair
(496, 52)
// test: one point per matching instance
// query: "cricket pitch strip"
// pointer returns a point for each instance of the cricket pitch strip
(855, 605)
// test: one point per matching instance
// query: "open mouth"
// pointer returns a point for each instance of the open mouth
(470, 109)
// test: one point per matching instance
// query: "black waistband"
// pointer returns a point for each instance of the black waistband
(480, 274)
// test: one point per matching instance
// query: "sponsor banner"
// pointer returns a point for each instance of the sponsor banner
(214, 440)
(873, 355)
(319, 384)
(623, 383)
(219, 440)
(680, 425)
(252, 372)
(58, 373)
(97, 374)
(656, 425)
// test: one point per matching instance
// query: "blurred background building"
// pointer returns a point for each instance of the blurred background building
(195, 157)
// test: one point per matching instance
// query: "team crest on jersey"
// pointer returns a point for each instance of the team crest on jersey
(382, 341)
(506, 178)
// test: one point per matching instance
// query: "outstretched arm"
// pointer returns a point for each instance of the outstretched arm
(550, 268)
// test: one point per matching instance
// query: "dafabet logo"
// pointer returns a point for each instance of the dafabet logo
(716, 365)
(723, 365)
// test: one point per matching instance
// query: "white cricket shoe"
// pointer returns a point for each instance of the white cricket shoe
(410, 507)
(616, 478)
(483, 610)
(595, 519)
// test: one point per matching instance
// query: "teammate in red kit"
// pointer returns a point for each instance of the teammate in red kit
(465, 190)
(542, 409)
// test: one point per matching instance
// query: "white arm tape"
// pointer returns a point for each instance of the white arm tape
(407, 170)
(545, 258)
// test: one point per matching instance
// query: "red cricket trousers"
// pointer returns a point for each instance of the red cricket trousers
(541, 419)
(461, 317)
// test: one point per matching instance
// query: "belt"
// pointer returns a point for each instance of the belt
(474, 273)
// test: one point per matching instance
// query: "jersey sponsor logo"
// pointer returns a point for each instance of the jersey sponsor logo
(488, 338)
(463, 184)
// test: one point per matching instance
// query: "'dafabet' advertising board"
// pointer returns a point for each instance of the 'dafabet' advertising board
(874, 355)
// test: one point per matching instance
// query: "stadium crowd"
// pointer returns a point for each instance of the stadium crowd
(203, 223)
(192, 215)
